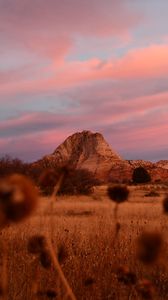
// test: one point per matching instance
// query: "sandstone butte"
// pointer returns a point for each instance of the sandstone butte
(87, 150)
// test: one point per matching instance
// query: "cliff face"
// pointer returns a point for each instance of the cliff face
(162, 164)
(87, 150)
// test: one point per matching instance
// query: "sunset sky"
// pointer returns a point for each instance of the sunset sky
(73, 65)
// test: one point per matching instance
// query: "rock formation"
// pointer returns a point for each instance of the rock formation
(87, 150)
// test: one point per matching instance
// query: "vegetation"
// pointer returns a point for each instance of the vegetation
(141, 175)
(75, 182)
(78, 182)
(10, 165)
(114, 274)
(56, 253)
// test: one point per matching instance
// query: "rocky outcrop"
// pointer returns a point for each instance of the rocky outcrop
(87, 150)
(158, 171)
(140, 163)
(162, 164)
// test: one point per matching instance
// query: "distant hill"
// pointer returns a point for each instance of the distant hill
(88, 150)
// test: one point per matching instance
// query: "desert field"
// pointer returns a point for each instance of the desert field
(82, 232)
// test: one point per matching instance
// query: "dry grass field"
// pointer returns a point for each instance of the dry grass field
(82, 233)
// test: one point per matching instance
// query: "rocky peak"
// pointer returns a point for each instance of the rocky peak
(84, 150)
(88, 150)
(84, 146)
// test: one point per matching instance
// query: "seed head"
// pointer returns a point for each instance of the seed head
(2, 291)
(149, 247)
(45, 259)
(118, 193)
(37, 244)
(18, 197)
(48, 294)
(61, 253)
(165, 204)
(145, 289)
(89, 281)
(51, 294)
(125, 276)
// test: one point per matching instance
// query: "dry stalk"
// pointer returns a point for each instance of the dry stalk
(58, 268)
(57, 187)
(34, 287)
(53, 256)
(4, 270)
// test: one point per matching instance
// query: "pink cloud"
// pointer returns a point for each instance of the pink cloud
(145, 62)
(49, 28)
(150, 62)
(89, 17)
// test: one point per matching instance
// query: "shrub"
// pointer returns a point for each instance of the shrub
(140, 175)
(74, 181)
(78, 182)
(10, 165)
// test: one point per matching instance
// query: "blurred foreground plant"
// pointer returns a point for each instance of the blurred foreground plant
(118, 194)
(46, 257)
(18, 198)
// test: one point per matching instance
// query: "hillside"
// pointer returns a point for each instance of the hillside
(88, 150)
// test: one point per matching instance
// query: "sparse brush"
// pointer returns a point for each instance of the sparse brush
(149, 247)
(18, 198)
(118, 193)
(145, 289)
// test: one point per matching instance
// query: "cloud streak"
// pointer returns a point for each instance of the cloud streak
(71, 65)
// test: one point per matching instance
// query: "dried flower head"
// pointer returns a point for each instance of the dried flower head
(45, 259)
(2, 291)
(165, 204)
(149, 247)
(118, 193)
(18, 197)
(89, 281)
(125, 276)
(145, 289)
(48, 294)
(51, 294)
(37, 244)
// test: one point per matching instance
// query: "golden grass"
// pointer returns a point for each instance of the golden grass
(84, 228)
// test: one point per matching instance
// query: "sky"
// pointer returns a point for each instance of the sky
(73, 65)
